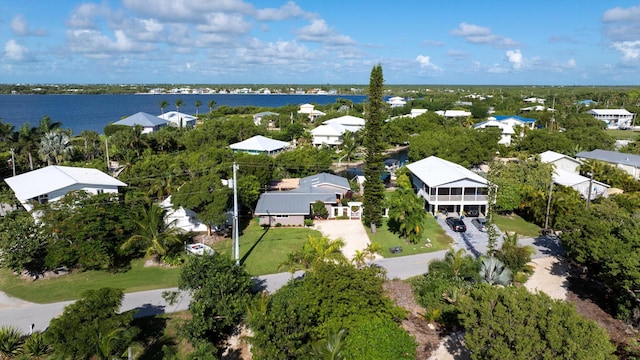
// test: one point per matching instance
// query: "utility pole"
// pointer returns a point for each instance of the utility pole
(546, 218)
(13, 161)
(236, 240)
(590, 187)
(106, 146)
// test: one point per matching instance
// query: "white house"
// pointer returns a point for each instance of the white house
(450, 114)
(257, 118)
(536, 108)
(53, 182)
(561, 161)
(580, 183)
(330, 133)
(534, 100)
(417, 112)
(260, 145)
(182, 218)
(448, 186)
(507, 125)
(179, 119)
(614, 118)
(310, 111)
(149, 123)
(507, 130)
(396, 101)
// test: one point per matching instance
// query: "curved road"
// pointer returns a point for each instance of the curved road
(23, 314)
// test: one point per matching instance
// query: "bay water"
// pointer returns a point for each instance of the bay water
(94, 112)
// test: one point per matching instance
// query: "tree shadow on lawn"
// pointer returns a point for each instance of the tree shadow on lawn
(246, 255)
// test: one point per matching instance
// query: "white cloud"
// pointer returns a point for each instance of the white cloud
(515, 58)
(84, 15)
(630, 49)
(20, 27)
(97, 44)
(482, 35)
(194, 11)
(286, 11)
(319, 31)
(15, 52)
(425, 62)
(224, 23)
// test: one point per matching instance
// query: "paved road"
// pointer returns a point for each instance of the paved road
(22, 314)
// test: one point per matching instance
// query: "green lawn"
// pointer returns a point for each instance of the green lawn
(514, 223)
(263, 251)
(432, 230)
(69, 287)
(623, 134)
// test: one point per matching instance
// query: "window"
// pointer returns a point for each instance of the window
(100, 191)
(43, 199)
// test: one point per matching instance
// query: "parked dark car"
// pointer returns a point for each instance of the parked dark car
(456, 224)
(480, 223)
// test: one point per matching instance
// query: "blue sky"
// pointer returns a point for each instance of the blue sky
(568, 42)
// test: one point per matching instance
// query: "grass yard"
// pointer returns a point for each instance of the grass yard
(514, 223)
(262, 251)
(439, 239)
(623, 134)
(69, 287)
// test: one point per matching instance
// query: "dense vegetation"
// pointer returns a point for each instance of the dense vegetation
(335, 304)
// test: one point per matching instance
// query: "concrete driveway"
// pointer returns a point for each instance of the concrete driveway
(473, 240)
(351, 231)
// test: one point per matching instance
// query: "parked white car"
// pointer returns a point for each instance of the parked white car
(199, 249)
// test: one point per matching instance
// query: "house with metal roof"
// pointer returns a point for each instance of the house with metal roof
(310, 111)
(54, 182)
(331, 131)
(451, 114)
(507, 125)
(293, 206)
(614, 118)
(179, 119)
(627, 162)
(149, 123)
(396, 101)
(580, 183)
(561, 161)
(448, 186)
(257, 118)
(260, 145)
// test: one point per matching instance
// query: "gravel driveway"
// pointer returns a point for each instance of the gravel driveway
(351, 231)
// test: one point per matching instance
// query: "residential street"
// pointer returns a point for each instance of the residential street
(22, 314)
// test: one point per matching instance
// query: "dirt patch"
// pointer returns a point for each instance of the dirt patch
(591, 302)
(426, 334)
(209, 239)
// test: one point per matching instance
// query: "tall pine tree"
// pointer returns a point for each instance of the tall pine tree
(373, 205)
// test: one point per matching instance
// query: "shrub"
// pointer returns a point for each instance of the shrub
(439, 294)
(378, 339)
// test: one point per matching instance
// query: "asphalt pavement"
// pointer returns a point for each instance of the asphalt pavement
(22, 314)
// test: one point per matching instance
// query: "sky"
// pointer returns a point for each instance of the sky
(417, 42)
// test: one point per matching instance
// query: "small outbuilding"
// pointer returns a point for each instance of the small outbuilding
(260, 145)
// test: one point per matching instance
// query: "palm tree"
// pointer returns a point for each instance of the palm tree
(372, 250)
(292, 264)
(153, 236)
(494, 272)
(163, 104)
(320, 249)
(456, 264)
(46, 125)
(114, 344)
(27, 138)
(349, 145)
(10, 342)
(179, 103)
(212, 104)
(198, 104)
(55, 147)
(359, 258)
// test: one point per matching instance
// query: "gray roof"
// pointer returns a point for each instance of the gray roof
(290, 202)
(613, 157)
(142, 119)
(298, 201)
(324, 179)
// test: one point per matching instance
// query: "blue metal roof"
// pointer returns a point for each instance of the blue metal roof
(505, 117)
